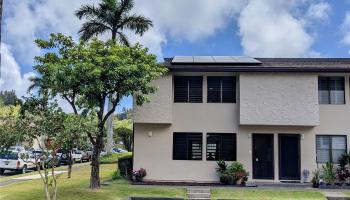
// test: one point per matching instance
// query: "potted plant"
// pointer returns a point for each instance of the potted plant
(139, 175)
(238, 172)
(225, 178)
(316, 179)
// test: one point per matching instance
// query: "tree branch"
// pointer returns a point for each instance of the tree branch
(72, 103)
(114, 103)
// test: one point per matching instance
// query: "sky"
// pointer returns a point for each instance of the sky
(256, 28)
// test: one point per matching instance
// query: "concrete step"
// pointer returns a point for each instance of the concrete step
(332, 195)
(198, 190)
(198, 195)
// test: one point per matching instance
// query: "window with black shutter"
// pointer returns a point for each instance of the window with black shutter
(331, 90)
(329, 148)
(187, 146)
(188, 89)
(221, 146)
(221, 89)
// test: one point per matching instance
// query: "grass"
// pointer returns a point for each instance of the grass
(113, 157)
(77, 188)
(254, 194)
(62, 168)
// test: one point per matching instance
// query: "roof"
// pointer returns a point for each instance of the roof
(330, 65)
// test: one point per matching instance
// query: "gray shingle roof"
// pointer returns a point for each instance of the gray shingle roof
(268, 65)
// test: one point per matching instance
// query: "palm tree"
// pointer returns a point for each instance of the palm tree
(111, 16)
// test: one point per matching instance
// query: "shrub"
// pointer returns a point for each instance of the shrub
(235, 173)
(328, 173)
(139, 175)
(316, 178)
(116, 175)
(343, 171)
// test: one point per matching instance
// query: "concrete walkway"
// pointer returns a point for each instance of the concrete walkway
(335, 195)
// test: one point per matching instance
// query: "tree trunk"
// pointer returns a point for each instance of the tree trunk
(70, 164)
(110, 140)
(95, 163)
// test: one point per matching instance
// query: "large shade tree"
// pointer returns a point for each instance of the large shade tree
(114, 17)
(85, 74)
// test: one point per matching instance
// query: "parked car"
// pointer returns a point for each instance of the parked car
(119, 150)
(19, 161)
(64, 157)
(47, 159)
(86, 155)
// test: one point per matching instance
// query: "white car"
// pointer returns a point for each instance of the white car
(76, 156)
(16, 161)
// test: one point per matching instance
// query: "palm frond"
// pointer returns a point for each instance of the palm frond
(123, 7)
(92, 28)
(137, 23)
(36, 82)
(123, 39)
(86, 11)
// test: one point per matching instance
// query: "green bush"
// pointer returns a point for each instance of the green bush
(235, 173)
(116, 175)
(328, 172)
(114, 157)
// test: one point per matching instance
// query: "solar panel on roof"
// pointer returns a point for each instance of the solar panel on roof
(182, 59)
(215, 59)
(203, 59)
(243, 59)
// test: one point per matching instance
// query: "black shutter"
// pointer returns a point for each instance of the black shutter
(180, 146)
(180, 89)
(195, 89)
(228, 147)
(221, 146)
(187, 146)
(214, 89)
(228, 90)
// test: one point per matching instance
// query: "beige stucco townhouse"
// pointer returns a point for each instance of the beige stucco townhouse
(277, 116)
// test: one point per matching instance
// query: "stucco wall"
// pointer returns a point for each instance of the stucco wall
(278, 99)
(159, 109)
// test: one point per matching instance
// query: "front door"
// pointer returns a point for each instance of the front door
(263, 159)
(289, 156)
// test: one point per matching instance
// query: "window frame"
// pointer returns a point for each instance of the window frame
(220, 150)
(234, 100)
(188, 89)
(187, 144)
(329, 90)
(330, 150)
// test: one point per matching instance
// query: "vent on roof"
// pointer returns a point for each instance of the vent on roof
(215, 59)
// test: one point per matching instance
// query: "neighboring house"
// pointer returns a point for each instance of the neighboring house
(277, 116)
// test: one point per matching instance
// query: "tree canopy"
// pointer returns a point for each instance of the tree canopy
(86, 73)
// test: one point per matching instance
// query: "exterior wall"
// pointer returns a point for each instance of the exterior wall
(159, 110)
(154, 142)
(278, 99)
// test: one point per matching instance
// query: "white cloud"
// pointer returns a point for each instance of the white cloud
(345, 27)
(11, 78)
(271, 28)
(189, 20)
(319, 11)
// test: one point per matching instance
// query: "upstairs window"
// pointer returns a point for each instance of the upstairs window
(187, 146)
(329, 148)
(221, 146)
(221, 89)
(331, 90)
(188, 89)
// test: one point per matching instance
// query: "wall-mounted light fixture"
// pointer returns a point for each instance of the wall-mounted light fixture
(302, 136)
(249, 135)
(150, 133)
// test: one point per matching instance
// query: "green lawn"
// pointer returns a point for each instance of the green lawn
(77, 188)
(62, 168)
(113, 157)
(261, 194)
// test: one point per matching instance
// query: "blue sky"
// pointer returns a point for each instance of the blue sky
(257, 28)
